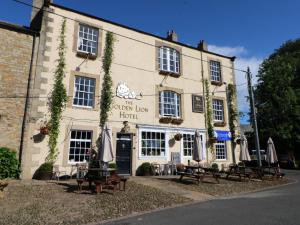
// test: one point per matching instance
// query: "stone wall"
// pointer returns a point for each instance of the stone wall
(15, 60)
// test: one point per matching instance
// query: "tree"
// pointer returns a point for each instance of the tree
(277, 97)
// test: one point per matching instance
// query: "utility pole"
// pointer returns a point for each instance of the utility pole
(253, 116)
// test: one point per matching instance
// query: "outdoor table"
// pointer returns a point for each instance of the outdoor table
(199, 173)
(273, 170)
(102, 178)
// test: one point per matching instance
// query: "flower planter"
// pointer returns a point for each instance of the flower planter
(165, 120)
(213, 140)
(177, 121)
(178, 137)
(44, 130)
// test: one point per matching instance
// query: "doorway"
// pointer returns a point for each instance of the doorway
(124, 153)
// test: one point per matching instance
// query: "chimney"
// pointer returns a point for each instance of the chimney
(37, 13)
(202, 46)
(39, 4)
(172, 36)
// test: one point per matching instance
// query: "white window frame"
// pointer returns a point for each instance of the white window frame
(202, 133)
(92, 37)
(215, 71)
(218, 110)
(161, 157)
(89, 93)
(78, 140)
(171, 56)
(221, 143)
(176, 104)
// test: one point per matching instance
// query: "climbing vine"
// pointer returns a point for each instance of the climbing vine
(210, 129)
(107, 92)
(58, 97)
(232, 109)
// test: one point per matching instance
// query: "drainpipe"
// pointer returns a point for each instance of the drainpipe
(26, 101)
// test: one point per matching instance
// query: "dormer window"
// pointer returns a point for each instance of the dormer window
(168, 59)
(87, 39)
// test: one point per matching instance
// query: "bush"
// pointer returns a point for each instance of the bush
(46, 167)
(215, 166)
(112, 165)
(44, 172)
(9, 165)
(146, 169)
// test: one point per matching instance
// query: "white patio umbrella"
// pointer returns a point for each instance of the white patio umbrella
(244, 154)
(197, 148)
(106, 153)
(271, 152)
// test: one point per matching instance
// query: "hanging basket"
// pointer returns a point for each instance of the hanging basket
(238, 141)
(178, 137)
(44, 130)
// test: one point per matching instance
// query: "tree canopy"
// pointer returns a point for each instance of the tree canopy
(277, 98)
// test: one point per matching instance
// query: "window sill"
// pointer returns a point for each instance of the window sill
(84, 108)
(217, 83)
(170, 73)
(220, 124)
(86, 55)
(172, 120)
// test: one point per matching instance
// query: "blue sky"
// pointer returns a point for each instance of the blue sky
(250, 30)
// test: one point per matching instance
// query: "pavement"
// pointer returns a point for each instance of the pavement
(275, 206)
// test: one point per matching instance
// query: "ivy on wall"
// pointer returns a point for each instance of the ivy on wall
(210, 129)
(107, 92)
(232, 109)
(58, 97)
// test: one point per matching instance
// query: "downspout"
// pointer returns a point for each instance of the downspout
(26, 101)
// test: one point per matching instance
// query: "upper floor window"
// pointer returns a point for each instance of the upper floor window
(215, 71)
(84, 91)
(168, 59)
(169, 103)
(87, 39)
(218, 110)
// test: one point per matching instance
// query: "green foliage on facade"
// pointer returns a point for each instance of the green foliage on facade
(232, 110)
(107, 92)
(210, 128)
(278, 98)
(58, 97)
(9, 165)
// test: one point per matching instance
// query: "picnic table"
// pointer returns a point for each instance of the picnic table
(199, 173)
(274, 171)
(102, 178)
(244, 172)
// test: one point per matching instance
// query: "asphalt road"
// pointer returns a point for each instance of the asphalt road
(278, 206)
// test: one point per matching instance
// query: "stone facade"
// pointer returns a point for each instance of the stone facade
(135, 67)
(15, 62)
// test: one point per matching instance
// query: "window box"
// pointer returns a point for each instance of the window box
(213, 140)
(217, 83)
(220, 124)
(165, 119)
(86, 55)
(177, 121)
(169, 73)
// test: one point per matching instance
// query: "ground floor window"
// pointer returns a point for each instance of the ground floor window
(153, 143)
(80, 145)
(188, 144)
(221, 152)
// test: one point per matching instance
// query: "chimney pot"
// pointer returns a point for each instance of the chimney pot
(203, 45)
(172, 36)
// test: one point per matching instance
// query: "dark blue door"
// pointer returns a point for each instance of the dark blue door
(123, 153)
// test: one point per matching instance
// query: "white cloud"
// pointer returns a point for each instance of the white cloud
(241, 62)
(226, 50)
